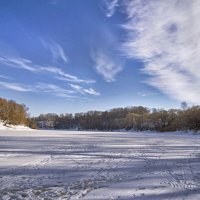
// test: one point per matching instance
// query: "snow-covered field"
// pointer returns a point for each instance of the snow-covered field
(95, 165)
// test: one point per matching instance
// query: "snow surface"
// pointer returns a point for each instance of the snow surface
(97, 165)
(13, 127)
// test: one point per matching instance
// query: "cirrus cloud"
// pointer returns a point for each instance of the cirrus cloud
(111, 7)
(52, 89)
(26, 64)
(56, 50)
(165, 35)
(82, 90)
(106, 66)
(16, 86)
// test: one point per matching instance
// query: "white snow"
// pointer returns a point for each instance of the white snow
(13, 127)
(97, 165)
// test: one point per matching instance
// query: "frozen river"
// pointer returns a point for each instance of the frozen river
(99, 165)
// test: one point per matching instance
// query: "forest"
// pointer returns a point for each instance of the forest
(136, 118)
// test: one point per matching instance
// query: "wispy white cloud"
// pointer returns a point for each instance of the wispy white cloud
(110, 7)
(61, 75)
(51, 89)
(106, 66)
(91, 91)
(75, 79)
(77, 88)
(5, 77)
(82, 90)
(25, 64)
(166, 36)
(56, 50)
(146, 94)
(58, 91)
(16, 86)
(54, 89)
(18, 62)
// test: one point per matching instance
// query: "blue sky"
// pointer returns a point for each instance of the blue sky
(66, 56)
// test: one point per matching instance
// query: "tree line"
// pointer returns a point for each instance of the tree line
(12, 113)
(137, 118)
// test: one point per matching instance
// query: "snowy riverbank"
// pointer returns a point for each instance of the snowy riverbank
(13, 127)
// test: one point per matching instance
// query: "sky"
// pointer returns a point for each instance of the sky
(68, 56)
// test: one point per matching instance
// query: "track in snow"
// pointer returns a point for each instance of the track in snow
(97, 165)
